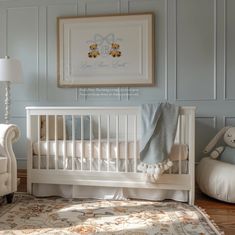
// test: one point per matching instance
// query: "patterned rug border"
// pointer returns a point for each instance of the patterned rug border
(21, 196)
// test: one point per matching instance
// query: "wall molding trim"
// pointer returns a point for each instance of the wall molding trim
(178, 76)
(214, 58)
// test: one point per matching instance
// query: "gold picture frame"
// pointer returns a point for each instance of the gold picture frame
(106, 51)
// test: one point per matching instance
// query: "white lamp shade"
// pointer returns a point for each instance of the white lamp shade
(10, 70)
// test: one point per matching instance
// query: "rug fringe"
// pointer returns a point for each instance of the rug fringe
(210, 221)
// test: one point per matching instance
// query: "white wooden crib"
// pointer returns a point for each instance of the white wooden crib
(99, 146)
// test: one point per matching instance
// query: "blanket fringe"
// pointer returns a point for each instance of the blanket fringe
(153, 171)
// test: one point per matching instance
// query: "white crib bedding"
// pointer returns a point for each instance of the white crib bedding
(66, 164)
(66, 148)
(111, 193)
(117, 193)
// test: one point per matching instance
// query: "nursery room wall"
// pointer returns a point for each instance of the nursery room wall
(194, 59)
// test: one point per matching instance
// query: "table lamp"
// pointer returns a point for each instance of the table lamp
(10, 72)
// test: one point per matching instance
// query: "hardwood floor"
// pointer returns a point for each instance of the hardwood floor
(222, 213)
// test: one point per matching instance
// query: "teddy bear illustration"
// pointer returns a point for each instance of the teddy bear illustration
(114, 51)
(93, 53)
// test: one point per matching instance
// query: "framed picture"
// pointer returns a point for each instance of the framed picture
(100, 51)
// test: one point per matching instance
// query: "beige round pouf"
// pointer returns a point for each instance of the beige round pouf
(216, 179)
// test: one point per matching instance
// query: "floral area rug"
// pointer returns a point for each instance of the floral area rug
(31, 215)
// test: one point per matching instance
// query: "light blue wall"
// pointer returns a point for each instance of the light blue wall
(195, 57)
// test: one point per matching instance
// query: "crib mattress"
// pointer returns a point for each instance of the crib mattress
(88, 149)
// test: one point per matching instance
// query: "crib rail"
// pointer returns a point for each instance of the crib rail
(113, 126)
(83, 145)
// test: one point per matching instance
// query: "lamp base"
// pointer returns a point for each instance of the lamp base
(7, 102)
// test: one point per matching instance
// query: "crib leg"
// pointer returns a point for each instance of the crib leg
(191, 197)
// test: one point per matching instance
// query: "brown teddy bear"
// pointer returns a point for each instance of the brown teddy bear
(93, 53)
(114, 52)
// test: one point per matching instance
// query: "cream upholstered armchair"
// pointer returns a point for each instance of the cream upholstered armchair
(8, 168)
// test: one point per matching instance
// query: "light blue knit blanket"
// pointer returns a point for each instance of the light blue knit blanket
(158, 129)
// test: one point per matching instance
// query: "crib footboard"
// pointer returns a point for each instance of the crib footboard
(99, 146)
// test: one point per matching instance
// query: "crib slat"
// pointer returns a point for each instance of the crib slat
(180, 141)
(183, 129)
(82, 142)
(73, 142)
(56, 143)
(135, 143)
(117, 143)
(99, 141)
(191, 169)
(91, 146)
(186, 134)
(64, 143)
(186, 129)
(47, 141)
(126, 143)
(177, 137)
(29, 135)
(39, 140)
(108, 142)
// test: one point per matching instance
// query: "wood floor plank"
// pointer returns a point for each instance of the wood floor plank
(222, 213)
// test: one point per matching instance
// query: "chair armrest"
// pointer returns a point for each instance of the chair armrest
(9, 134)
